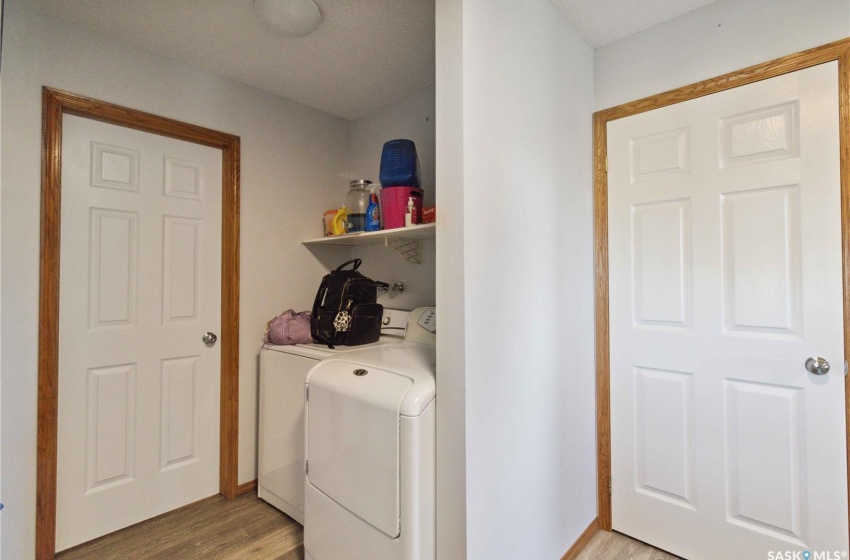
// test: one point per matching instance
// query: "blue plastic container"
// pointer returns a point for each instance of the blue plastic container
(400, 165)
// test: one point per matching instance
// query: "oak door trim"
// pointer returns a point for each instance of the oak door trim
(836, 51)
(56, 103)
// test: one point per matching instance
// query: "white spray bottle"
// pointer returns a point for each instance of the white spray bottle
(410, 217)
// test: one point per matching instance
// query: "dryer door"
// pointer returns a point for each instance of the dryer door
(353, 439)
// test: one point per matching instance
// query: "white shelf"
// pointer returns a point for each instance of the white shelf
(423, 231)
(407, 242)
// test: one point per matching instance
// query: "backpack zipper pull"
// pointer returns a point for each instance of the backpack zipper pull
(342, 321)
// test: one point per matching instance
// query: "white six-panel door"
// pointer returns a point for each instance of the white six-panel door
(725, 276)
(140, 284)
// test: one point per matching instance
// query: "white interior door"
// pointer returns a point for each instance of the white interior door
(140, 284)
(725, 276)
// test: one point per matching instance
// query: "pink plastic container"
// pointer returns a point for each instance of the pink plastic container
(394, 203)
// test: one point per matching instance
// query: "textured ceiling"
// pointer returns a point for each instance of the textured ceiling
(366, 54)
(601, 22)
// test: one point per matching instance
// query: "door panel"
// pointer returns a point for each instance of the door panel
(725, 276)
(140, 282)
(661, 264)
(665, 434)
(761, 261)
(762, 433)
(111, 426)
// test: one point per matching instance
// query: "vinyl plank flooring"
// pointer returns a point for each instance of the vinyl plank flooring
(274, 545)
(242, 529)
(615, 546)
(249, 529)
(294, 554)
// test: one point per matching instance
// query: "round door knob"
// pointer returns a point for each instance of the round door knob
(209, 338)
(817, 365)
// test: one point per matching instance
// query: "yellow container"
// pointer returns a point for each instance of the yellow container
(339, 221)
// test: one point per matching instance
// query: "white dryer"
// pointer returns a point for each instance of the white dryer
(281, 413)
(370, 487)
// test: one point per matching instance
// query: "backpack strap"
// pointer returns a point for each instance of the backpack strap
(346, 263)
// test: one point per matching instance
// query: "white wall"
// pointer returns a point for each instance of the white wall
(514, 93)
(1, 314)
(718, 38)
(292, 158)
(526, 95)
(451, 288)
(411, 118)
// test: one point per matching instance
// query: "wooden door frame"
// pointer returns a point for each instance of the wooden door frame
(56, 103)
(836, 51)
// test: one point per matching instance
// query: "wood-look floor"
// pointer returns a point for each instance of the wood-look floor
(249, 529)
(241, 529)
(615, 546)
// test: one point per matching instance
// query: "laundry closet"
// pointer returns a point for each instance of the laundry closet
(371, 491)
(402, 258)
(378, 501)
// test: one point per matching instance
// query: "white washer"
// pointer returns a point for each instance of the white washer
(370, 489)
(281, 413)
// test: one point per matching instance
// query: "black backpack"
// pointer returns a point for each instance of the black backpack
(345, 311)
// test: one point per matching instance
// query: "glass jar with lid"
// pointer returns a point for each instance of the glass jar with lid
(357, 202)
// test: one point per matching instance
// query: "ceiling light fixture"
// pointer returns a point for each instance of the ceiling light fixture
(290, 17)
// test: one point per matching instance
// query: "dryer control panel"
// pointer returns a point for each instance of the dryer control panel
(428, 320)
(422, 325)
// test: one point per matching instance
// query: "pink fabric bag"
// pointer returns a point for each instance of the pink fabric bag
(289, 328)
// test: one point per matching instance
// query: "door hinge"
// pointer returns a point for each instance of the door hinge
(610, 485)
(845, 368)
(307, 467)
(307, 393)
(606, 163)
